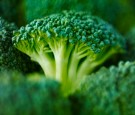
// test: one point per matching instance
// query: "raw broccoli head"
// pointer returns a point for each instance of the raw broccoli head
(32, 96)
(68, 45)
(10, 57)
(110, 91)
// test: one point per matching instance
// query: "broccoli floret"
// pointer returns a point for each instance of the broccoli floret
(10, 57)
(110, 91)
(21, 96)
(68, 45)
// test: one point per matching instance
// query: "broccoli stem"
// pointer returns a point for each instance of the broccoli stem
(61, 50)
(72, 72)
(61, 62)
(80, 51)
(47, 64)
(89, 65)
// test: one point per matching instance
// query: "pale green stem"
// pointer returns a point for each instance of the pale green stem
(61, 51)
(79, 52)
(72, 72)
(89, 65)
(61, 62)
(47, 64)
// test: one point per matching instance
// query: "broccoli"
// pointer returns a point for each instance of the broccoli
(32, 96)
(68, 45)
(109, 91)
(10, 57)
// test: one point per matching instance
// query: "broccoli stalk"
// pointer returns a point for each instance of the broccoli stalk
(68, 45)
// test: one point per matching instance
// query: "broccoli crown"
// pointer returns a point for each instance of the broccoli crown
(111, 91)
(10, 57)
(21, 96)
(75, 26)
(68, 45)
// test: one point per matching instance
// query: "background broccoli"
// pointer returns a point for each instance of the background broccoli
(68, 45)
(34, 95)
(109, 91)
(10, 57)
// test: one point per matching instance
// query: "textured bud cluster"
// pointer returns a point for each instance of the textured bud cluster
(109, 88)
(73, 27)
(10, 57)
(6, 48)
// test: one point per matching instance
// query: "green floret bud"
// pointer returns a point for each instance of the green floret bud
(110, 91)
(68, 45)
